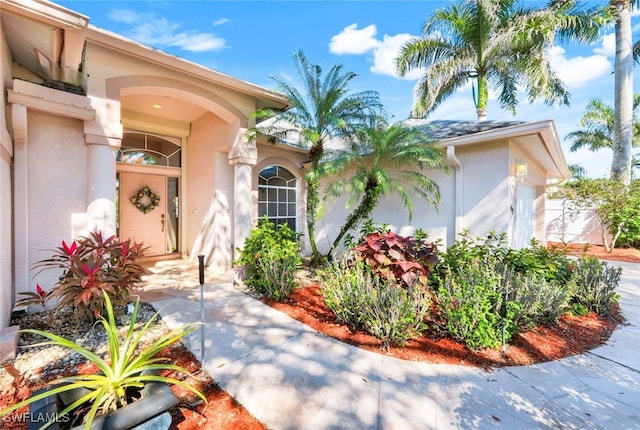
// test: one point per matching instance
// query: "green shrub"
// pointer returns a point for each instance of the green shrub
(344, 290)
(595, 284)
(271, 257)
(538, 301)
(378, 306)
(628, 216)
(483, 287)
(470, 300)
(615, 204)
(537, 260)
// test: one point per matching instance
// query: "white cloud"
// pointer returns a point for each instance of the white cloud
(197, 42)
(124, 15)
(154, 31)
(576, 72)
(608, 47)
(385, 53)
(354, 41)
(220, 21)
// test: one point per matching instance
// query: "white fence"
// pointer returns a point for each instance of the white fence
(563, 226)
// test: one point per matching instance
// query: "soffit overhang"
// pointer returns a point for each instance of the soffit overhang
(47, 40)
(538, 139)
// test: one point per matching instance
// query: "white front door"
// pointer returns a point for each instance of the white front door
(150, 227)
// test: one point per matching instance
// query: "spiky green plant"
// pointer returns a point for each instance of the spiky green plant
(127, 367)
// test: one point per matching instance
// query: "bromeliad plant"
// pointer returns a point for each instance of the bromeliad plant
(92, 266)
(129, 366)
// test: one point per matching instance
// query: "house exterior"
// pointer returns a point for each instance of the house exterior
(101, 133)
(497, 181)
(90, 118)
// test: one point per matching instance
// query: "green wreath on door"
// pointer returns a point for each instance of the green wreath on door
(145, 200)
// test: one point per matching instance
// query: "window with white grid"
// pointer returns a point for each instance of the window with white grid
(277, 195)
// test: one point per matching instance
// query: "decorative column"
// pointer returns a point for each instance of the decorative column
(103, 135)
(20, 197)
(243, 156)
(101, 184)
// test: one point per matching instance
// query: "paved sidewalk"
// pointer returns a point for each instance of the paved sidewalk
(291, 377)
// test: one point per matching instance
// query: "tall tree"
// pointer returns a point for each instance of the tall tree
(381, 160)
(322, 108)
(597, 124)
(496, 43)
(577, 171)
(621, 164)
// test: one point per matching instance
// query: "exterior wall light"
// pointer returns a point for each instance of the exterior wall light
(521, 169)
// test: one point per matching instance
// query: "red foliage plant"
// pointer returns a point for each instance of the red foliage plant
(90, 266)
(402, 258)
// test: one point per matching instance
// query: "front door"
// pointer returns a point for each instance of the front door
(144, 220)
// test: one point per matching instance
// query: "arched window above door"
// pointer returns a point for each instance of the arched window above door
(150, 149)
(277, 195)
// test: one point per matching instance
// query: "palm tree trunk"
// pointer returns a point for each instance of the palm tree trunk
(313, 199)
(483, 98)
(367, 204)
(623, 132)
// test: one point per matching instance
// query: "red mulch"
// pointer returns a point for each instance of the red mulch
(630, 255)
(572, 335)
(220, 412)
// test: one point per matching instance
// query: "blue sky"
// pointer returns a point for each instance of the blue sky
(253, 40)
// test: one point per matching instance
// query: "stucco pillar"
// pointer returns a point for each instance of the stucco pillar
(20, 197)
(6, 284)
(102, 136)
(243, 156)
(101, 184)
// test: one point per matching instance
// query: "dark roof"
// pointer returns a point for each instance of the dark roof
(437, 130)
(446, 129)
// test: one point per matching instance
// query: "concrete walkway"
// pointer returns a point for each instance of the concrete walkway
(291, 377)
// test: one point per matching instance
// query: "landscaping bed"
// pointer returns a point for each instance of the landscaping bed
(37, 366)
(477, 304)
(629, 255)
(571, 336)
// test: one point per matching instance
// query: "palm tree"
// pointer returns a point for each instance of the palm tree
(498, 44)
(621, 164)
(321, 109)
(577, 171)
(384, 159)
(598, 127)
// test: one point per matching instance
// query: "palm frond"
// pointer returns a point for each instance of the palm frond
(499, 40)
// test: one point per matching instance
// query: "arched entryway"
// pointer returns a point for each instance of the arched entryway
(214, 192)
